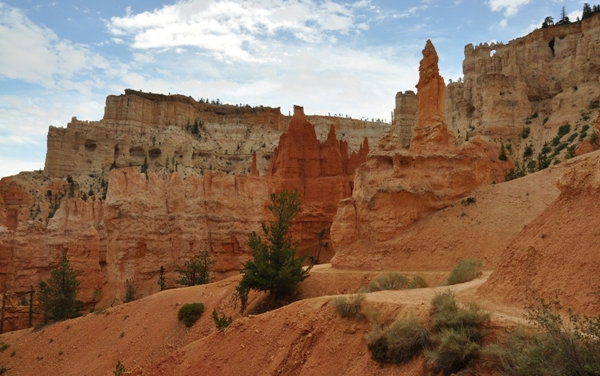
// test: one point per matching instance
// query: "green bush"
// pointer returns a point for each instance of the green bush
(129, 291)
(466, 270)
(119, 369)
(459, 332)
(190, 313)
(447, 314)
(557, 348)
(417, 282)
(525, 132)
(403, 340)
(221, 322)
(389, 281)
(348, 306)
(454, 351)
(563, 130)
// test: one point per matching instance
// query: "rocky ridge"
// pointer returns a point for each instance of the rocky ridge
(520, 93)
(394, 189)
(169, 133)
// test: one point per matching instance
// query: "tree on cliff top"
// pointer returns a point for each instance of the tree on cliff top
(275, 268)
(58, 295)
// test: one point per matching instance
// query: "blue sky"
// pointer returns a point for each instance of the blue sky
(62, 58)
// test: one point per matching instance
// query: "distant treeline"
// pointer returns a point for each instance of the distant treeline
(588, 11)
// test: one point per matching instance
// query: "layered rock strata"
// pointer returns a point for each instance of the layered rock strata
(125, 226)
(394, 189)
(174, 133)
(541, 81)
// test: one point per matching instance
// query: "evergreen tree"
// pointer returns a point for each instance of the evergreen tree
(58, 295)
(129, 291)
(274, 268)
(196, 271)
(161, 278)
(587, 11)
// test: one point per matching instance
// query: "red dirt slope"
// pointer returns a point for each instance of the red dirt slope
(560, 250)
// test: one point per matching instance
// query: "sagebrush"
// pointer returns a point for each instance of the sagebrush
(465, 270)
(190, 313)
(349, 306)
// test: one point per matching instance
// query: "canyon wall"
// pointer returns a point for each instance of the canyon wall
(169, 133)
(126, 222)
(520, 93)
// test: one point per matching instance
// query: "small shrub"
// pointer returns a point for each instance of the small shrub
(389, 281)
(129, 291)
(446, 313)
(572, 137)
(417, 282)
(190, 313)
(459, 333)
(502, 155)
(466, 270)
(558, 348)
(119, 369)
(403, 340)
(525, 132)
(454, 351)
(563, 130)
(468, 201)
(349, 306)
(528, 152)
(4, 346)
(221, 322)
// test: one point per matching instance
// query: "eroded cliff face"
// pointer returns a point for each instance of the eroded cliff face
(174, 133)
(125, 223)
(520, 93)
(396, 188)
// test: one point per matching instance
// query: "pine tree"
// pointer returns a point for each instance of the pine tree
(274, 268)
(58, 295)
(161, 278)
(196, 271)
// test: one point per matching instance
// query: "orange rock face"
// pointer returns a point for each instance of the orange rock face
(148, 220)
(394, 189)
(431, 133)
(322, 174)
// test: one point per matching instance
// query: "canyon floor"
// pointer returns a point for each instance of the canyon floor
(308, 336)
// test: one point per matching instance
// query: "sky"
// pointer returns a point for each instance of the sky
(60, 59)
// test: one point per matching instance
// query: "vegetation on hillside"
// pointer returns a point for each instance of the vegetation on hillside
(58, 295)
(274, 267)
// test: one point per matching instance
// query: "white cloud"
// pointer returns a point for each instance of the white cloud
(35, 54)
(510, 7)
(574, 15)
(12, 166)
(503, 23)
(236, 29)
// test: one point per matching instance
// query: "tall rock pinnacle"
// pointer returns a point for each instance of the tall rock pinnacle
(431, 133)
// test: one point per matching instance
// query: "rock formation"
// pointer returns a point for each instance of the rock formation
(127, 222)
(169, 133)
(322, 174)
(541, 81)
(394, 189)
(431, 132)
